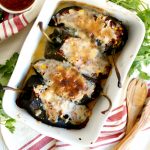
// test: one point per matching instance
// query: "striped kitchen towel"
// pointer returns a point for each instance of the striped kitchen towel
(12, 24)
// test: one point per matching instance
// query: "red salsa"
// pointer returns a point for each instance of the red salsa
(16, 5)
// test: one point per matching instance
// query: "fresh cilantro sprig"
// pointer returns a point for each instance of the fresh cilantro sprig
(143, 57)
(5, 73)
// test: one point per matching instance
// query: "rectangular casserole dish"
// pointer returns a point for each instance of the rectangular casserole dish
(89, 134)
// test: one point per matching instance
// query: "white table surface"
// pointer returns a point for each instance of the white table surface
(14, 44)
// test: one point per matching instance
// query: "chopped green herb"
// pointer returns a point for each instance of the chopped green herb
(143, 57)
(1, 16)
(144, 75)
(5, 73)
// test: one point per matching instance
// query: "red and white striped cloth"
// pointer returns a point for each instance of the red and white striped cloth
(12, 24)
(114, 127)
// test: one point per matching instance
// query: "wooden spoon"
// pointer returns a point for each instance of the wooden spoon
(140, 125)
(136, 96)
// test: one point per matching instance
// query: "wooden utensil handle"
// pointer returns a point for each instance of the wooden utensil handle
(127, 140)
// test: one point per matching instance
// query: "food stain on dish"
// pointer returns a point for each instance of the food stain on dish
(70, 70)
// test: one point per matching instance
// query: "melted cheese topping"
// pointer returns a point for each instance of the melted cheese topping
(64, 80)
(85, 56)
(56, 106)
(90, 22)
(65, 84)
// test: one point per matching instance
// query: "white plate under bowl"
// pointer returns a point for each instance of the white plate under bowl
(89, 134)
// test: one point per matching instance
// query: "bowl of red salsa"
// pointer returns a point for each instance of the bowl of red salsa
(16, 6)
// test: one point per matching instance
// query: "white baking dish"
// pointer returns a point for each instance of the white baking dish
(90, 133)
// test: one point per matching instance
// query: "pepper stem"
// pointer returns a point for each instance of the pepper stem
(3, 88)
(109, 100)
(40, 24)
(117, 71)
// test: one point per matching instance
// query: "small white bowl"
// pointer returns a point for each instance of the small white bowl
(16, 12)
(89, 134)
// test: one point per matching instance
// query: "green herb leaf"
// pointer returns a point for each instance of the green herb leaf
(5, 73)
(1, 16)
(10, 124)
(144, 75)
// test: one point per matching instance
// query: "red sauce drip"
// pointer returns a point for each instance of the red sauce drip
(16, 5)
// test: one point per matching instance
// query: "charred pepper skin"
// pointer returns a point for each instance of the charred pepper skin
(32, 103)
(86, 99)
(58, 37)
(110, 48)
(53, 21)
